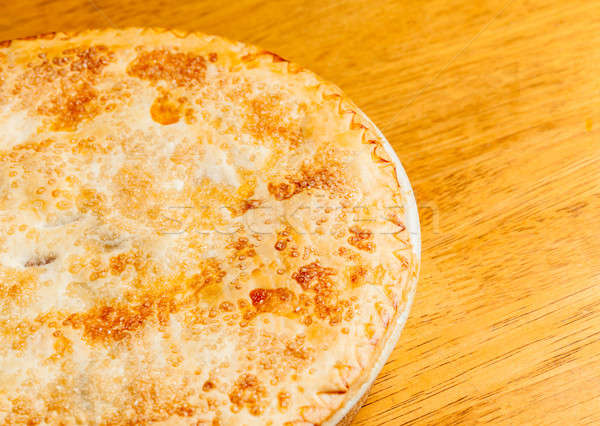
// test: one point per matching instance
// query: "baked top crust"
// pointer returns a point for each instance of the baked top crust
(192, 231)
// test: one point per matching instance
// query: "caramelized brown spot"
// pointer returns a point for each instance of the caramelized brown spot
(278, 300)
(184, 410)
(317, 279)
(183, 69)
(249, 205)
(282, 191)
(208, 386)
(357, 274)
(243, 248)
(362, 239)
(312, 272)
(17, 287)
(165, 111)
(281, 244)
(283, 400)
(212, 57)
(75, 98)
(72, 107)
(118, 263)
(40, 260)
(328, 178)
(211, 273)
(240, 244)
(165, 306)
(92, 59)
(249, 392)
(265, 119)
(258, 296)
(114, 323)
(5, 43)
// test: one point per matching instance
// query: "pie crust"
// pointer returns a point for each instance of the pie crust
(192, 231)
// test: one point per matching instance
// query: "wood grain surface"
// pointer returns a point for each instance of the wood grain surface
(494, 109)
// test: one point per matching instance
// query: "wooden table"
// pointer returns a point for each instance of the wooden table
(494, 109)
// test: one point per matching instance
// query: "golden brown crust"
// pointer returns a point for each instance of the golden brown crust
(191, 230)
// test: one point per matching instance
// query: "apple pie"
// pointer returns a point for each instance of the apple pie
(192, 231)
